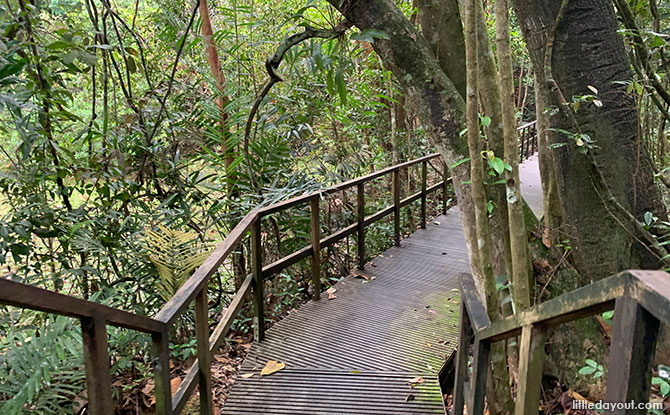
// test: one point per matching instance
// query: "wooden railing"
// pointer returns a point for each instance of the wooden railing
(640, 299)
(95, 317)
(527, 140)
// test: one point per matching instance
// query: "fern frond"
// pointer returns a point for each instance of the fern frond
(175, 254)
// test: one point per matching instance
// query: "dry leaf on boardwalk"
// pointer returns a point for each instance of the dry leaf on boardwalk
(271, 367)
(246, 375)
(417, 380)
(331, 293)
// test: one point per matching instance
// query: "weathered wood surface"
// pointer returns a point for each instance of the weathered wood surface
(355, 354)
(642, 301)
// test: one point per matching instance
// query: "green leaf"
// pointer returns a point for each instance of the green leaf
(591, 363)
(11, 68)
(132, 67)
(665, 389)
(498, 165)
(557, 145)
(587, 370)
(459, 162)
(88, 58)
(486, 121)
(59, 44)
(369, 35)
(341, 85)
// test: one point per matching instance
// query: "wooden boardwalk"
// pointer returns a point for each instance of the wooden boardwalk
(356, 353)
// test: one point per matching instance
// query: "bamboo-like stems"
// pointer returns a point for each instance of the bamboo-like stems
(521, 270)
(476, 167)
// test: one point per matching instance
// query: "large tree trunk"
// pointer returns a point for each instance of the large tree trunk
(441, 26)
(588, 35)
(587, 51)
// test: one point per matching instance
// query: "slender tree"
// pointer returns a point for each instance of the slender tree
(521, 270)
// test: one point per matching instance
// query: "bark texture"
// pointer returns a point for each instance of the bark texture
(441, 26)
(521, 276)
(498, 394)
(588, 51)
(433, 96)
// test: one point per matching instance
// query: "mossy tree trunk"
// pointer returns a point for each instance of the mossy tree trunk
(587, 51)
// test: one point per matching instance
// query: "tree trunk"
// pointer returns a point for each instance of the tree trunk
(434, 98)
(521, 276)
(601, 243)
(442, 28)
(222, 99)
(588, 35)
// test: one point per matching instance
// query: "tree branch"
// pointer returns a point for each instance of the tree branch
(271, 65)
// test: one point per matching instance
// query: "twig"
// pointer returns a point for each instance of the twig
(174, 69)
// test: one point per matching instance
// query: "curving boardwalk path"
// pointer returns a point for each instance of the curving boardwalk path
(356, 353)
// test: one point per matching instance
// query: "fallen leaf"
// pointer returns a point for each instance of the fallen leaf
(246, 375)
(365, 277)
(271, 367)
(416, 380)
(409, 397)
(355, 371)
(175, 383)
(436, 222)
(428, 345)
(331, 293)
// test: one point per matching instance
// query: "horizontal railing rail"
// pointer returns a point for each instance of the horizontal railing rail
(640, 299)
(95, 317)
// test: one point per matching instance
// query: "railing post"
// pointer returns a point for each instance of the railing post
(445, 187)
(424, 180)
(361, 224)
(202, 344)
(462, 355)
(316, 247)
(631, 355)
(396, 206)
(480, 368)
(96, 363)
(531, 359)
(162, 390)
(257, 271)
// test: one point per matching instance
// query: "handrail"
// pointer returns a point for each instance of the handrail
(528, 140)
(640, 299)
(95, 317)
